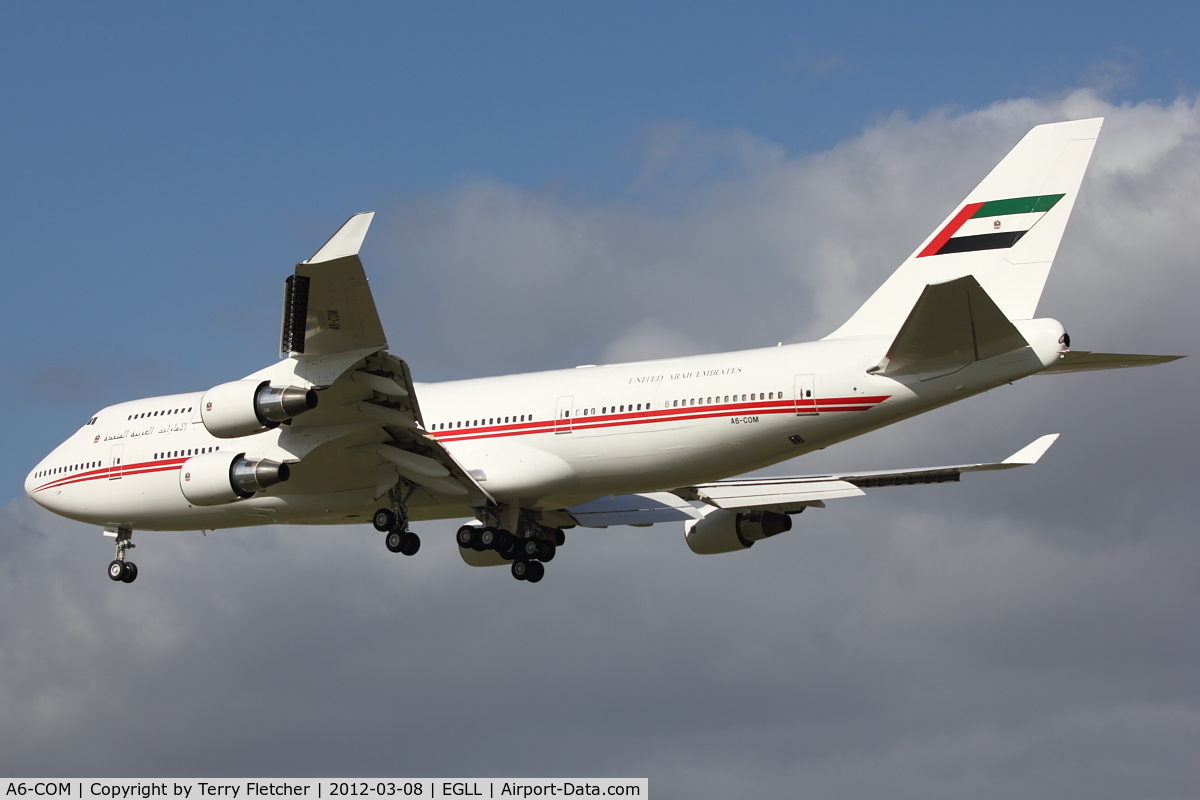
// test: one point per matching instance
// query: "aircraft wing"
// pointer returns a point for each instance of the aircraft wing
(327, 304)
(633, 509)
(368, 421)
(796, 493)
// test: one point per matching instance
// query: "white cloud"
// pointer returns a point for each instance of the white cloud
(1020, 634)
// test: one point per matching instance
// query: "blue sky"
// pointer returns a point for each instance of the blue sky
(561, 184)
(166, 163)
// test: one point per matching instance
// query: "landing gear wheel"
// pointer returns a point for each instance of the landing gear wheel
(507, 548)
(384, 519)
(546, 550)
(394, 541)
(130, 572)
(467, 537)
(411, 544)
(488, 538)
(535, 572)
(116, 570)
(528, 548)
(520, 570)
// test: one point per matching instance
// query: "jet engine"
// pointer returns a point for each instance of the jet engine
(241, 408)
(215, 478)
(724, 531)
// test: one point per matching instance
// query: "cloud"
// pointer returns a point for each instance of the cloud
(1019, 634)
(647, 340)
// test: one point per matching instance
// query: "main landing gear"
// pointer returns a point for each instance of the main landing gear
(119, 569)
(398, 538)
(528, 552)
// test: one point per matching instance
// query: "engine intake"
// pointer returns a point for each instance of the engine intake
(241, 408)
(723, 531)
(213, 479)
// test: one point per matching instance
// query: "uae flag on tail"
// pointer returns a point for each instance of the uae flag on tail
(994, 225)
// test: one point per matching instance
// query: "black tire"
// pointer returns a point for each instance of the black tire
(504, 539)
(383, 520)
(489, 538)
(394, 541)
(116, 570)
(536, 572)
(130, 572)
(412, 543)
(477, 542)
(558, 537)
(467, 536)
(508, 549)
(528, 548)
(520, 570)
(546, 550)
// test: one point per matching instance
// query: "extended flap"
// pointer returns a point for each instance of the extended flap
(749, 493)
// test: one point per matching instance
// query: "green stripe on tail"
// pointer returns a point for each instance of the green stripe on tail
(1018, 205)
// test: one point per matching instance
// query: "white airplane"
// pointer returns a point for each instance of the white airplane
(337, 432)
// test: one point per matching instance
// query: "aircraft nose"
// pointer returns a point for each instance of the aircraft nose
(45, 499)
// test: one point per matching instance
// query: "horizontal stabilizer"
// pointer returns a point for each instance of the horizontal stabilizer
(1085, 360)
(951, 325)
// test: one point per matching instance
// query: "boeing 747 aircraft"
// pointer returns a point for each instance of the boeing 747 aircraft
(338, 432)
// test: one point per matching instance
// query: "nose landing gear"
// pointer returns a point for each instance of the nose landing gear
(119, 569)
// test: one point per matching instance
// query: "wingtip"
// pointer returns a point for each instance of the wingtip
(347, 241)
(1032, 452)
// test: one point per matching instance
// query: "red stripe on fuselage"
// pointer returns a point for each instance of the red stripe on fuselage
(105, 473)
(662, 415)
(620, 420)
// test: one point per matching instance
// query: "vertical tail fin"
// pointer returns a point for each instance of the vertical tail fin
(1005, 233)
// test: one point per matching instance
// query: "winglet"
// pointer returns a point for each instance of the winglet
(1030, 453)
(347, 241)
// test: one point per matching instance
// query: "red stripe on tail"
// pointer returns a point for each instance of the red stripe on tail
(951, 228)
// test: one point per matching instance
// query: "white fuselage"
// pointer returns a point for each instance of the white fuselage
(539, 440)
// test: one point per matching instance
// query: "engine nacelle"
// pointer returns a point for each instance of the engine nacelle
(215, 478)
(723, 531)
(240, 408)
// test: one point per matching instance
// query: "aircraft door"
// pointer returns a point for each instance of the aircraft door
(806, 396)
(114, 461)
(562, 414)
